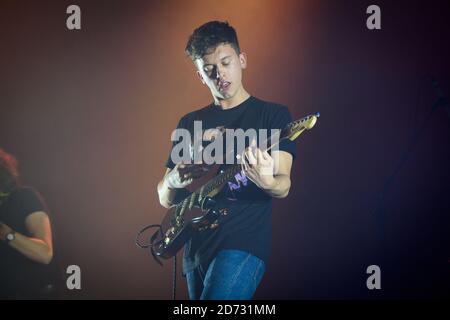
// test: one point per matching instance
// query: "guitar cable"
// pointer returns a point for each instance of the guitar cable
(174, 275)
(150, 246)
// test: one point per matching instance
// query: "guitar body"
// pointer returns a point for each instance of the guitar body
(175, 231)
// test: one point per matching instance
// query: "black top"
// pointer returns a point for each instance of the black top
(247, 226)
(21, 277)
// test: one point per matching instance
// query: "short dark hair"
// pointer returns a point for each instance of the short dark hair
(208, 36)
(9, 174)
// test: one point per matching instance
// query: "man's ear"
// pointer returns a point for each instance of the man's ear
(200, 76)
(243, 60)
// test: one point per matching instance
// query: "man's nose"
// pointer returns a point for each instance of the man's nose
(219, 72)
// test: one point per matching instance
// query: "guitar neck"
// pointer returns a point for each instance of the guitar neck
(223, 177)
(229, 173)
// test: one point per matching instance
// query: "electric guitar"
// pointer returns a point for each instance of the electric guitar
(198, 212)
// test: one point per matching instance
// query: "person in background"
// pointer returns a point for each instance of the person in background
(26, 245)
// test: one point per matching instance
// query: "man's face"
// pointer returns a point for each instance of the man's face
(221, 71)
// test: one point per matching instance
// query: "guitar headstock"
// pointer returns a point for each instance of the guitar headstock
(295, 128)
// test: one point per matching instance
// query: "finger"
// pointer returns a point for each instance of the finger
(260, 156)
(247, 157)
(251, 157)
(254, 147)
(244, 164)
(187, 182)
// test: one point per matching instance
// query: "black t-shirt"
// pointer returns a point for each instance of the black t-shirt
(21, 277)
(247, 226)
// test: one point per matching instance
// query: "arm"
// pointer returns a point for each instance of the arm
(270, 173)
(39, 247)
(166, 194)
(281, 183)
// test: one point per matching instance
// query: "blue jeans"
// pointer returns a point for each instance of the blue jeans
(231, 275)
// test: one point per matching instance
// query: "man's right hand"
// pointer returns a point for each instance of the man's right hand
(182, 175)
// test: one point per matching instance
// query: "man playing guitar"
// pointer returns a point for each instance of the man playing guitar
(228, 262)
